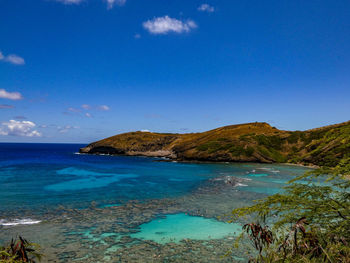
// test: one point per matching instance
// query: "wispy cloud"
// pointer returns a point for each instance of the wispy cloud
(90, 107)
(166, 24)
(19, 128)
(10, 95)
(103, 108)
(70, 2)
(12, 58)
(111, 3)
(86, 106)
(81, 111)
(75, 110)
(6, 106)
(206, 8)
(67, 128)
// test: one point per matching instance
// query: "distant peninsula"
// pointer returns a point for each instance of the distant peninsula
(249, 142)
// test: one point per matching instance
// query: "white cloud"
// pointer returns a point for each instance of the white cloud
(67, 128)
(19, 128)
(88, 115)
(86, 106)
(6, 106)
(70, 2)
(145, 130)
(166, 24)
(111, 3)
(10, 95)
(137, 36)
(206, 8)
(12, 58)
(103, 108)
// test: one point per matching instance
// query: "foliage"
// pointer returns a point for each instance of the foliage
(310, 222)
(274, 141)
(295, 136)
(331, 147)
(261, 237)
(249, 151)
(272, 154)
(19, 251)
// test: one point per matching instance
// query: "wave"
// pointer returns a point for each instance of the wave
(270, 169)
(15, 222)
(246, 179)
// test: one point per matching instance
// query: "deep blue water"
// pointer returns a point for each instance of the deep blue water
(39, 176)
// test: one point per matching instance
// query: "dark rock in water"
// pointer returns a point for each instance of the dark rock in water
(101, 150)
(228, 180)
(86, 149)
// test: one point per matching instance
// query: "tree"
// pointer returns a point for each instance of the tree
(310, 222)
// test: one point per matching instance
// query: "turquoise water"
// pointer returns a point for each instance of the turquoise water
(86, 180)
(175, 228)
(71, 203)
(257, 175)
(41, 176)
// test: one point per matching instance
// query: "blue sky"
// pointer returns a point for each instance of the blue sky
(82, 70)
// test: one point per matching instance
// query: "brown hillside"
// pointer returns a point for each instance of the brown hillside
(250, 142)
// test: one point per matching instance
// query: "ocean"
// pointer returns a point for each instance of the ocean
(100, 208)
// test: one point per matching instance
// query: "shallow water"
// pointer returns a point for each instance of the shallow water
(125, 207)
(174, 228)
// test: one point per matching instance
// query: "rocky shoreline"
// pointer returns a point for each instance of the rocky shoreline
(168, 156)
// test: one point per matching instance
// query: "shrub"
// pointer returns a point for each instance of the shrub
(274, 142)
(310, 222)
(19, 251)
(249, 151)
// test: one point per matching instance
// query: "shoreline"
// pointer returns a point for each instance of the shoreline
(167, 159)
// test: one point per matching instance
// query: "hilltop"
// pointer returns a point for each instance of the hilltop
(249, 142)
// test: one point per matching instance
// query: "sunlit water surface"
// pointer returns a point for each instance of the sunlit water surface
(111, 208)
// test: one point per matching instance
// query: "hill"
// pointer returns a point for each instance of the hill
(250, 142)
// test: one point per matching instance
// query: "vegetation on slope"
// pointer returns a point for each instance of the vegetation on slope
(251, 142)
(310, 222)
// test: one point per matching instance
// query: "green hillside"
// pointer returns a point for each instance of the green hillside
(250, 142)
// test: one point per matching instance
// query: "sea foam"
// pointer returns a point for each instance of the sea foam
(15, 222)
